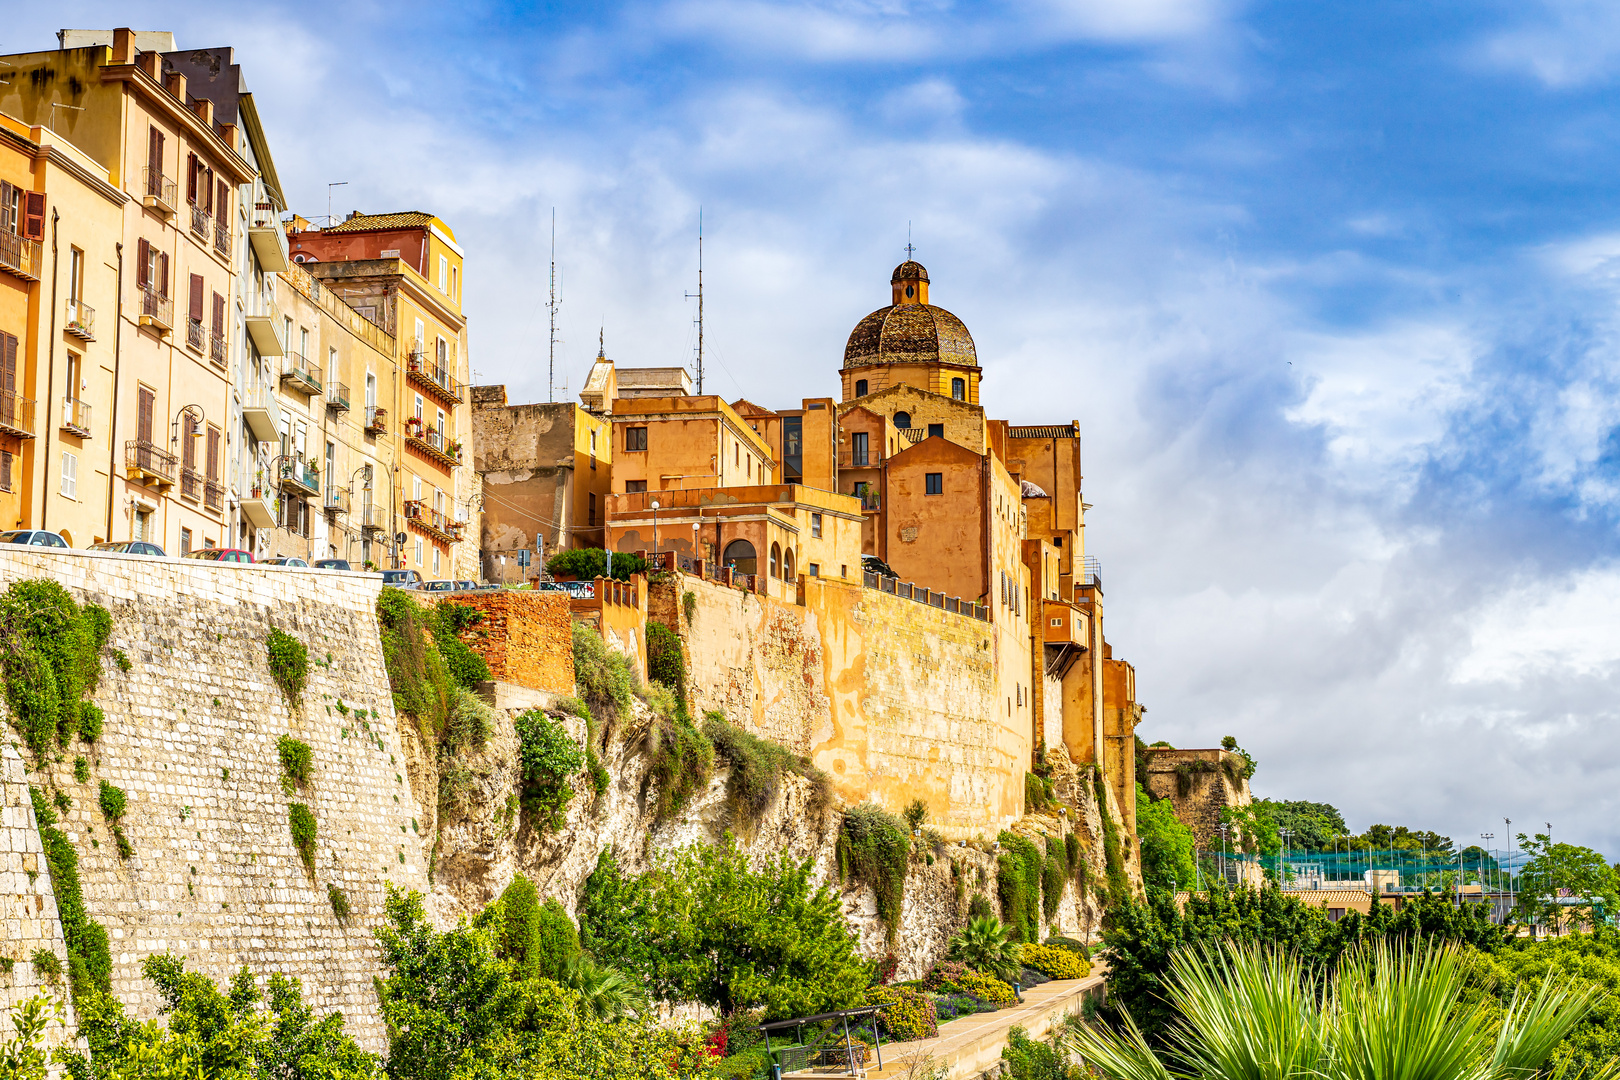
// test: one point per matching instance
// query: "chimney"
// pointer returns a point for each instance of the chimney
(175, 83)
(204, 110)
(149, 62)
(123, 46)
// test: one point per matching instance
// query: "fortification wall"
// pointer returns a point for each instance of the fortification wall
(1199, 786)
(190, 736)
(524, 637)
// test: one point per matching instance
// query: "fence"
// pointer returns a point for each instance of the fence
(923, 595)
(1391, 869)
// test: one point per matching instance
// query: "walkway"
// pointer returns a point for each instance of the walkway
(972, 1044)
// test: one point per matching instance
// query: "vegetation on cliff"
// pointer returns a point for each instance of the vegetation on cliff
(289, 664)
(873, 850)
(50, 653)
(1168, 846)
(549, 756)
(758, 767)
(89, 959)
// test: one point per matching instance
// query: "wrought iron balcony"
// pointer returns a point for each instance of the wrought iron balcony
(157, 310)
(373, 517)
(426, 372)
(432, 443)
(16, 415)
(854, 459)
(149, 463)
(435, 523)
(222, 237)
(213, 495)
(196, 335)
(81, 320)
(190, 484)
(20, 256)
(201, 221)
(217, 347)
(336, 501)
(376, 420)
(158, 192)
(304, 376)
(76, 417)
(300, 476)
(337, 396)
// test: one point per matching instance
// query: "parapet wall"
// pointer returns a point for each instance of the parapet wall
(524, 637)
(1199, 784)
(190, 735)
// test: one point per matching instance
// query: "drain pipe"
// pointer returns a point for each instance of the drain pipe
(50, 374)
(112, 430)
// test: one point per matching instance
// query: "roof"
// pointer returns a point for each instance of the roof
(1064, 431)
(909, 271)
(409, 219)
(910, 334)
(1327, 897)
(744, 407)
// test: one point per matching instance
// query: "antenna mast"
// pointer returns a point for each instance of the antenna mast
(551, 364)
(699, 296)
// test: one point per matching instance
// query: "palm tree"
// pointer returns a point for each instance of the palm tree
(983, 946)
(1392, 1013)
(605, 992)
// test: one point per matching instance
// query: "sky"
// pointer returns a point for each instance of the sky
(1330, 289)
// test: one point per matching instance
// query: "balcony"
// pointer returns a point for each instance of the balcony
(1064, 624)
(148, 463)
(300, 477)
(262, 414)
(1091, 574)
(433, 444)
(337, 501)
(81, 320)
(376, 420)
(264, 326)
(304, 376)
(373, 518)
(16, 415)
(196, 335)
(423, 518)
(213, 495)
(437, 381)
(190, 484)
(259, 507)
(76, 417)
(157, 310)
(19, 256)
(337, 397)
(158, 192)
(201, 222)
(268, 238)
(222, 238)
(216, 347)
(855, 459)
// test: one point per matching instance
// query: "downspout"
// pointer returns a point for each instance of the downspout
(984, 483)
(112, 432)
(50, 374)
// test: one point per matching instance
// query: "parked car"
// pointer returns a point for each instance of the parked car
(332, 564)
(438, 586)
(402, 579)
(33, 538)
(579, 590)
(285, 560)
(236, 555)
(466, 586)
(128, 547)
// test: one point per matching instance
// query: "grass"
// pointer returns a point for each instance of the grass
(758, 767)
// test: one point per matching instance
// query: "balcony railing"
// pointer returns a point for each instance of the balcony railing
(432, 442)
(213, 495)
(156, 310)
(201, 221)
(870, 501)
(158, 191)
(305, 377)
(337, 396)
(20, 256)
(433, 522)
(76, 417)
(337, 501)
(222, 237)
(148, 461)
(376, 420)
(373, 517)
(216, 347)
(16, 415)
(908, 591)
(190, 484)
(301, 476)
(196, 335)
(1091, 573)
(81, 320)
(855, 459)
(426, 372)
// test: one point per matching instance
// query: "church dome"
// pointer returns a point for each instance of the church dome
(911, 330)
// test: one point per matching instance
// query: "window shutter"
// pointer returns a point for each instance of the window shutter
(143, 414)
(213, 453)
(192, 169)
(70, 475)
(143, 265)
(154, 152)
(208, 189)
(34, 215)
(163, 273)
(219, 314)
(222, 204)
(196, 298)
(8, 363)
(7, 194)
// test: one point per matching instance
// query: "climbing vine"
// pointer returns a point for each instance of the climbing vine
(1018, 885)
(89, 958)
(872, 850)
(50, 652)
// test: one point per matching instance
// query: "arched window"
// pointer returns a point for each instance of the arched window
(902, 419)
(860, 387)
(740, 557)
(776, 560)
(959, 389)
(787, 566)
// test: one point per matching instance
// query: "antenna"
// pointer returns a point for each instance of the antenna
(699, 295)
(909, 248)
(551, 305)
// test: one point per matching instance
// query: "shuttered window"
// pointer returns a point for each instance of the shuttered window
(213, 453)
(146, 405)
(188, 442)
(162, 274)
(154, 153)
(193, 173)
(219, 314)
(8, 363)
(143, 265)
(34, 215)
(8, 207)
(70, 475)
(196, 298)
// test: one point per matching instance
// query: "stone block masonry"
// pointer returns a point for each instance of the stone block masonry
(1199, 784)
(524, 637)
(190, 735)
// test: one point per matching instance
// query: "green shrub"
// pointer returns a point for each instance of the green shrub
(121, 842)
(665, 661)
(682, 762)
(587, 563)
(47, 964)
(1018, 882)
(910, 1016)
(296, 759)
(549, 756)
(1054, 961)
(1030, 1060)
(1037, 793)
(422, 686)
(289, 664)
(1078, 948)
(468, 724)
(757, 768)
(81, 769)
(943, 975)
(556, 940)
(1119, 886)
(689, 605)
(339, 901)
(604, 678)
(51, 660)
(113, 802)
(302, 824)
(916, 814)
(872, 850)
(1075, 856)
(1053, 876)
(449, 620)
(91, 721)
(980, 907)
(89, 957)
(988, 987)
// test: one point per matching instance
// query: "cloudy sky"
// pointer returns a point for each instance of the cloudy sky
(1330, 289)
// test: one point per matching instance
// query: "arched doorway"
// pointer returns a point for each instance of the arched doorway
(776, 560)
(787, 566)
(739, 555)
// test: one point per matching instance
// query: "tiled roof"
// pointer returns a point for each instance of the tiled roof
(910, 334)
(410, 219)
(1066, 431)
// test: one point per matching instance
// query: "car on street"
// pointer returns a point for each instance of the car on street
(438, 586)
(128, 547)
(233, 555)
(332, 564)
(402, 579)
(285, 560)
(34, 538)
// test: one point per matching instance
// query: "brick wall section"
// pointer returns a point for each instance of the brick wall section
(1208, 793)
(525, 637)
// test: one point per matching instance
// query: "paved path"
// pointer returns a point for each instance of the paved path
(972, 1044)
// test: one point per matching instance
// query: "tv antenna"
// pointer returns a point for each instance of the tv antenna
(339, 183)
(699, 296)
(551, 305)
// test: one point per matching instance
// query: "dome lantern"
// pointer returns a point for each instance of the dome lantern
(910, 283)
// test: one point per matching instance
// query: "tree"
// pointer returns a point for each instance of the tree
(1255, 1010)
(983, 945)
(1167, 845)
(1311, 826)
(1562, 884)
(587, 563)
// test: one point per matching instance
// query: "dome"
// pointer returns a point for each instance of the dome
(910, 331)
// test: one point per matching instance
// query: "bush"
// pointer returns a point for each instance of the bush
(289, 664)
(296, 759)
(52, 659)
(665, 661)
(468, 723)
(1075, 856)
(1037, 793)
(417, 674)
(89, 957)
(113, 802)
(980, 907)
(605, 679)
(47, 965)
(872, 850)
(1078, 948)
(81, 769)
(1030, 1060)
(757, 768)
(549, 756)
(988, 987)
(945, 975)
(1018, 881)
(91, 721)
(910, 1016)
(339, 901)
(302, 824)
(1054, 962)
(1053, 876)
(587, 563)
(682, 762)
(448, 621)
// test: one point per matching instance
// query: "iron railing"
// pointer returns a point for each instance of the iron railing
(300, 371)
(426, 372)
(1091, 572)
(856, 459)
(81, 320)
(434, 521)
(376, 420)
(158, 188)
(196, 334)
(201, 220)
(20, 255)
(157, 308)
(337, 500)
(16, 414)
(301, 474)
(372, 515)
(190, 484)
(222, 237)
(213, 495)
(217, 347)
(923, 595)
(337, 396)
(76, 417)
(150, 458)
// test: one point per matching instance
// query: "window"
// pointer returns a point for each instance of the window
(934, 483)
(185, 541)
(441, 357)
(444, 275)
(815, 569)
(858, 449)
(421, 336)
(416, 492)
(787, 566)
(73, 373)
(593, 448)
(1335, 914)
(902, 420)
(860, 387)
(635, 438)
(371, 390)
(75, 276)
(438, 501)
(936, 429)
(740, 557)
(418, 551)
(331, 363)
(419, 406)
(441, 424)
(213, 452)
(70, 475)
(5, 470)
(776, 560)
(435, 562)
(815, 524)
(1057, 541)
(959, 389)
(453, 284)
(750, 466)
(151, 269)
(590, 508)
(633, 486)
(145, 406)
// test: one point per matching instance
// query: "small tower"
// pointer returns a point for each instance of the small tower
(910, 283)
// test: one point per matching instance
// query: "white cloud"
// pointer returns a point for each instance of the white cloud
(1547, 628)
(1563, 43)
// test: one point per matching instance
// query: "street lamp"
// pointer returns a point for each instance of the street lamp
(655, 527)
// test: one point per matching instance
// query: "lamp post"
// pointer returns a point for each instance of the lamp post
(1281, 852)
(1487, 837)
(655, 528)
(1223, 852)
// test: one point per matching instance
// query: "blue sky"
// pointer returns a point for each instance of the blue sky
(1330, 288)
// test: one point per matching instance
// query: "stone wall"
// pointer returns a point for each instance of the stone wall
(524, 637)
(190, 735)
(1207, 777)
